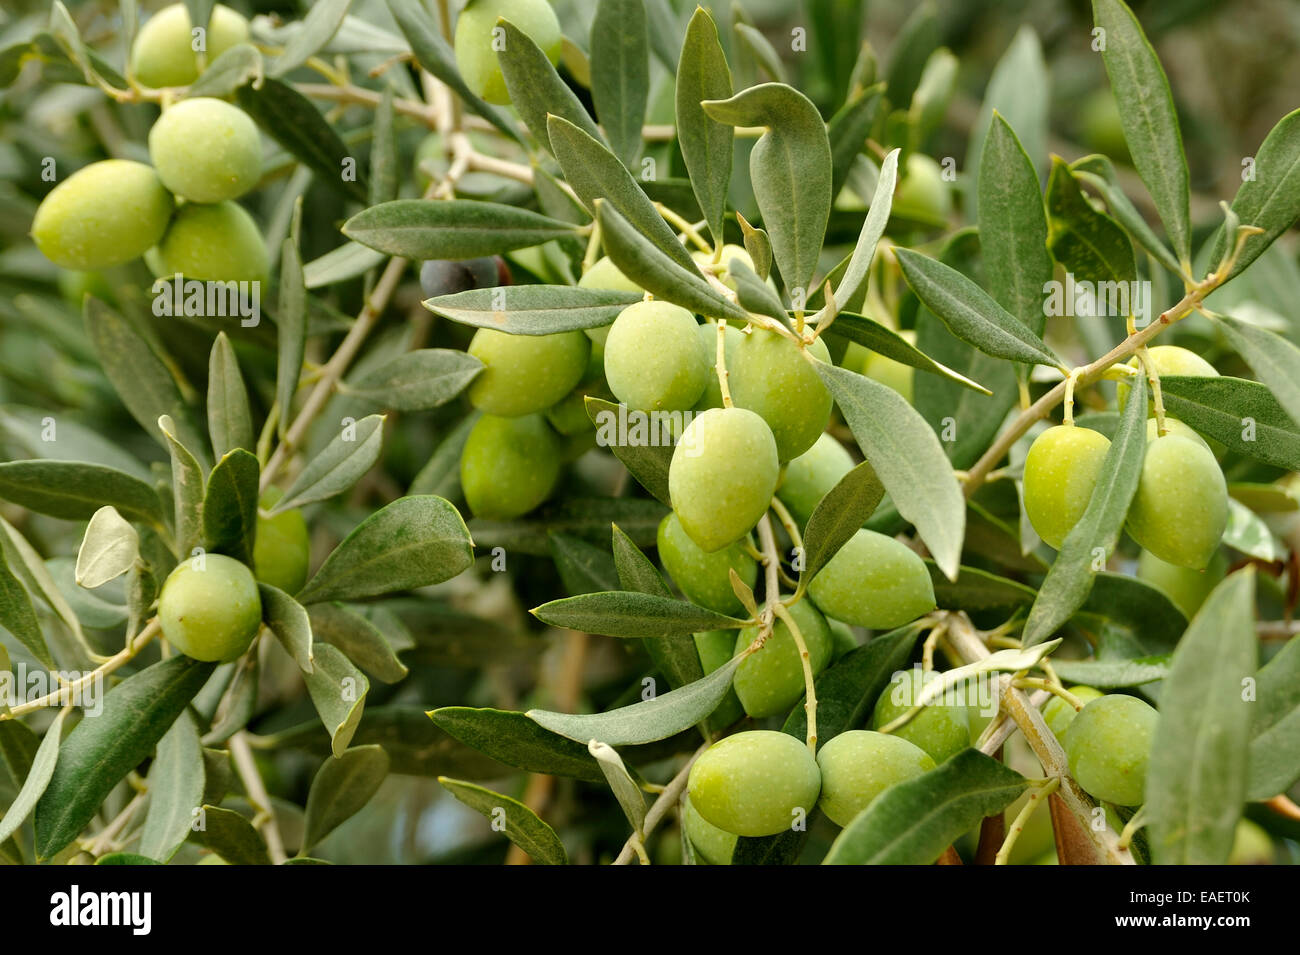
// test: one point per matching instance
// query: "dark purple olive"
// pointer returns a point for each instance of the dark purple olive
(448, 276)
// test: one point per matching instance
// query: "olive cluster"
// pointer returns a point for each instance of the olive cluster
(180, 212)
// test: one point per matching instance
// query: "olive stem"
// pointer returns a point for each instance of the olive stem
(104, 838)
(685, 228)
(966, 641)
(258, 797)
(1034, 683)
(771, 564)
(1153, 376)
(1068, 410)
(1132, 826)
(805, 658)
(927, 649)
(73, 690)
(1086, 375)
(1038, 794)
(720, 365)
(593, 247)
(671, 792)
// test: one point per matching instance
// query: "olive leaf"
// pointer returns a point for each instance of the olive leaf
(584, 568)
(18, 615)
(515, 740)
(521, 825)
(646, 462)
(291, 329)
(360, 640)
(1274, 740)
(706, 145)
(108, 549)
(320, 24)
(1088, 243)
(533, 309)
(340, 789)
(1270, 199)
(1275, 359)
(348, 456)
(289, 621)
(620, 781)
(883, 340)
(176, 782)
(75, 491)
(853, 283)
(451, 228)
(839, 515)
(536, 89)
(620, 73)
(1244, 415)
(338, 691)
(624, 613)
(231, 836)
(1099, 173)
(418, 380)
(230, 506)
(228, 72)
(40, 770)
(848, 129)
(188, 489)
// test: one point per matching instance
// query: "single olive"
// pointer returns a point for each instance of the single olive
(282, 546)
(1168, 360)
(1187, 588)
(859, 765)
(874, 581)
(923, 193)
(478, 41)
(509, 465)
(449, 276)
(1109, 744)
(165, 51)
(604, 274)
(757, 783)
(771, 680)
(942, 728)
(1061, 471)
(103, 214)
(771, 376)
(722, 475)
(206, 150)
(209, 608)
(715, 846)
(1058, 714)
(655, 359)
(704, 578)
(808, 477)
(716, 647)
(525, 373)
(218, 243)
(1180, 509)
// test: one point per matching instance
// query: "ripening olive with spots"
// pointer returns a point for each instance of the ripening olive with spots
(722, 476)
(209, 608)
(1180, 509)
(525, 373)
(103, 214)
(874, 581)
(704, 578)
(772, 377)
(509, 465)
(478, 40)
(1109, 745)
(1061, 471)
(281, 546)
(771, 680)
(812, 474)
(164, 52)
(206, 150)
(859, 765)
(1059, 713)
(756, 783)
(655, 359)
(217, 243)
(941, 728)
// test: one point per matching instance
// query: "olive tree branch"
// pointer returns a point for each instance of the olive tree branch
(671, 793)
(258, 797)
(1038, 794)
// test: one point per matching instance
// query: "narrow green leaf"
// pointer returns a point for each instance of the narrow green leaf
(74, 491)
(839, 515)
(1099, 173)
(341, 789)
(230, 506)
(108, 549)
(418, 380)
(533, 309)
(1243, 415)
(231, 836)
(971, 313)
(345, 460)
(289, 621)
(585, 517)
(176, 782)
(228, 72)
(623, 613)
(848, 130)
(626, 791)
(519, 823)
(1275, 731)
(348, 261)
(908, 459)
(18, 616)
(1275, 359)
(515, 740)
(99, 752)
(853, 285)
(1088, 243)
(1146, 111)
(646, 462)
(36, 780)
(790, 166)
(291, 329)
(338, 691)
(620, 73)
(675, 656)
(706, 145)
(649, 720)
(41, 435)
(229, 419)
(1196, 781)
(1270, 200)
(1113, 673)
(883, 340)
(584, 568)
(913, 822)
(360, 640)
(536, 89)
(187, 489)
(1091, 542)
(974, 590)
(323, 19)
(917, 39)
(413, 542)
(451, 228)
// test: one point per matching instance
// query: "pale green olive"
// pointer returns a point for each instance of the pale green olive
(1061, 471)
(206, 150)
(757, 783)
(103, 214)
(859, 765)
(165, 51)
(209, 608)
(874, 581)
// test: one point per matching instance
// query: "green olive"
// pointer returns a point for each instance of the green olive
(654, 358)
(1061, 471)
(604, 274)
(476, 45)
(206, 150)
(809, 476)
(523, 374)
(509, 465)
(1180, 510)
(859, 765)
(757, 783)
(219, 243)
(942, 728)
(923, 193)
(722, 476)
(1168, 360)
(704, 579)
(771, 376)
(874, 581)
(1109, 744)
(715, 846)
(282, 546)
(771, 680)
(1058, 714)
(103, 214)
(164, 53)
(716, 647)
(1187, 588)
(209, 608)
